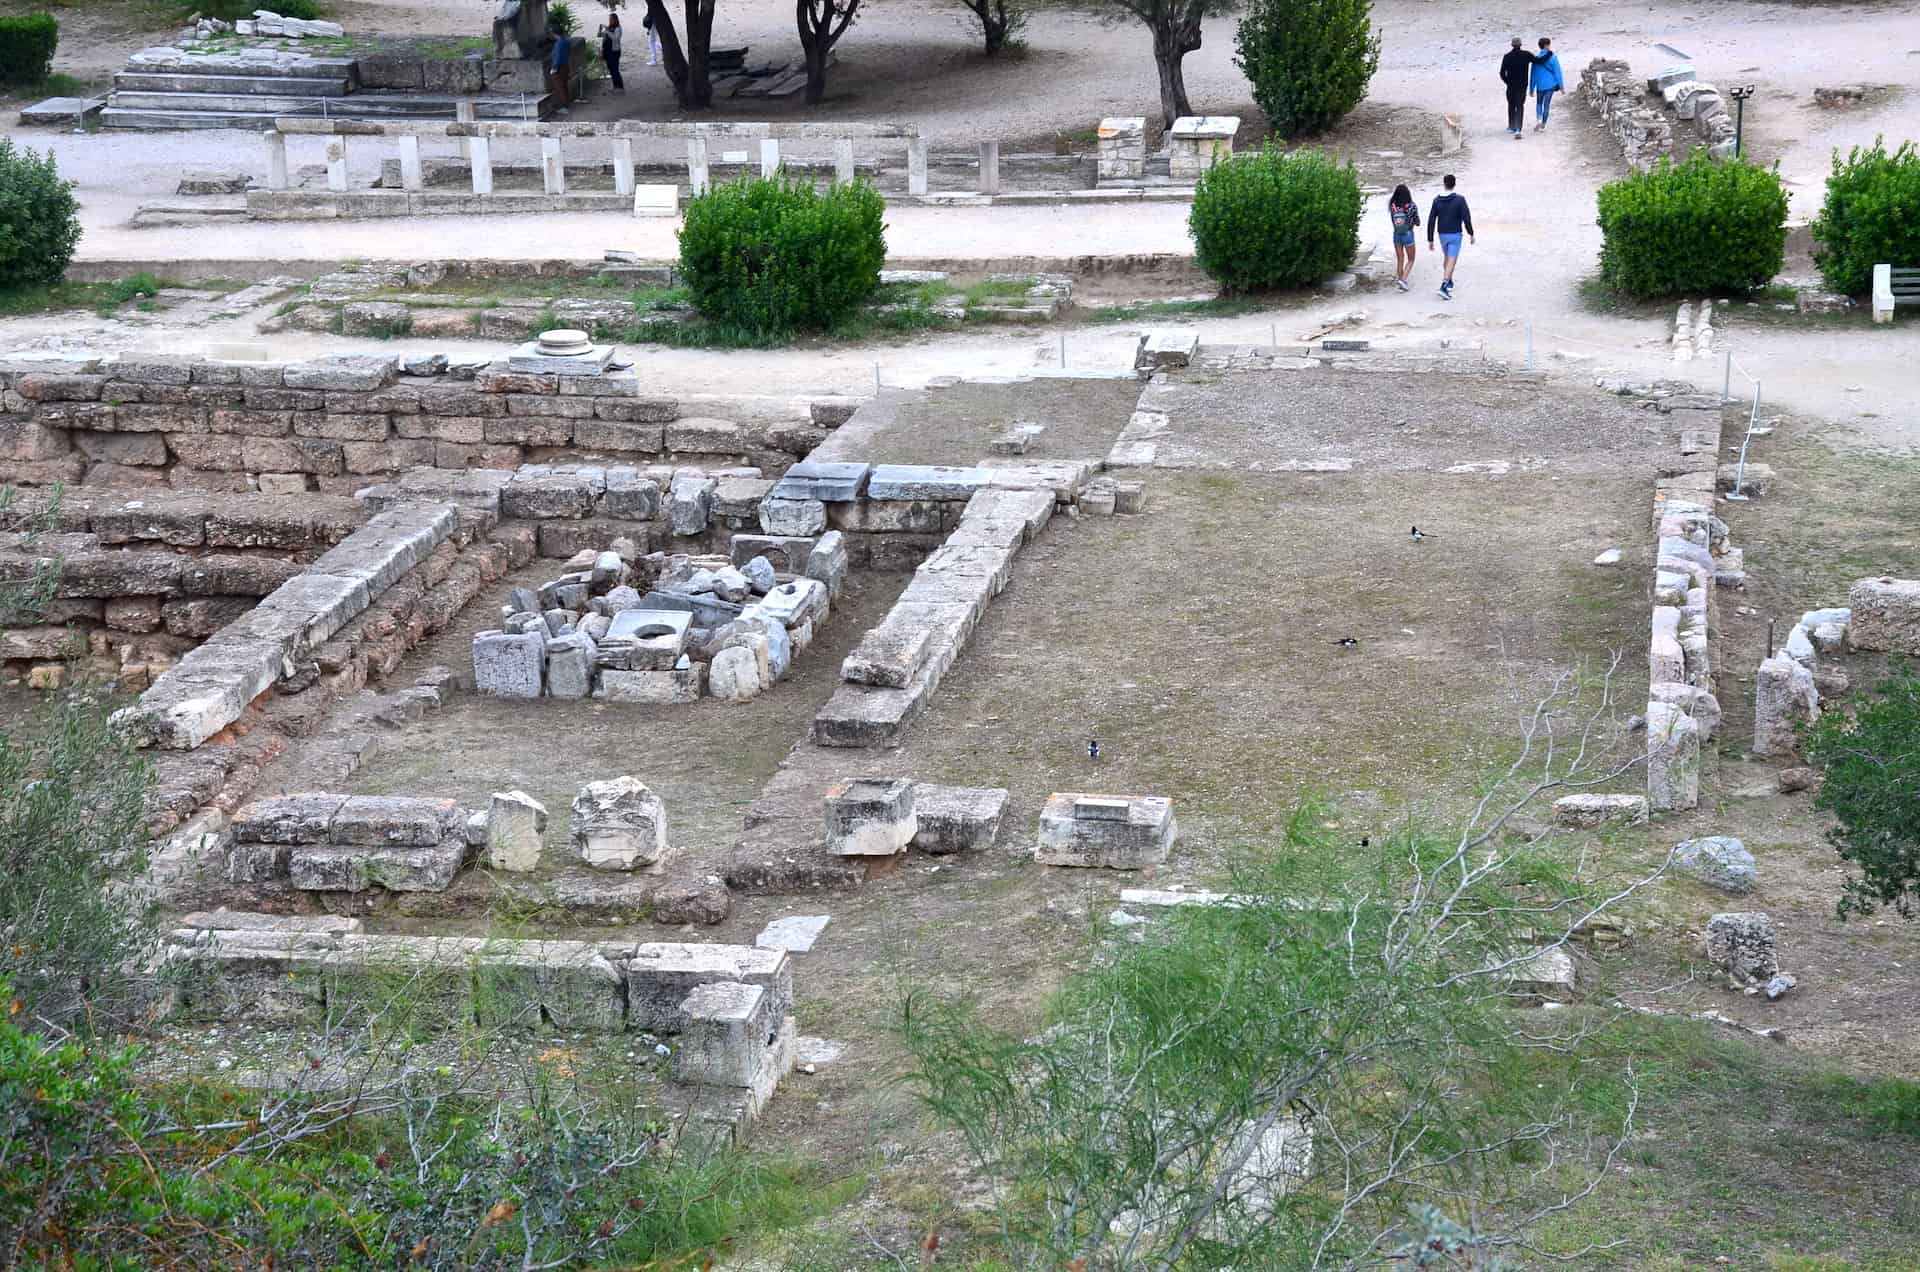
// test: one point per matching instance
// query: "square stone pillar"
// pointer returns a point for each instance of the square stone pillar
(843, 159)
(411, 175)
(917, 166)
(1197, 142)
(623, 165)
(337, 164)
(1123, 149)
(989, 167)
(769, 156)
(699, 177)
(480, 155)
(553, 167)
(277, 160)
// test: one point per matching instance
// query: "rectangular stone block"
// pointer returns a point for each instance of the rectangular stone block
(356, 868)
(1590, 811)
(925, 481)
(660, 975)
(871, 817)
(287, 819)
(510, 666)
(658, 688)
(956, 818)
(1089, 831)
(570, 664)
(830, 482)
(1886, 615)
(534, 495)
(389, 820)
(728, 1036)
(360, 373)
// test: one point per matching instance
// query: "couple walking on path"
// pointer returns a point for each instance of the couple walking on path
(1449, 218)
(1537, 73)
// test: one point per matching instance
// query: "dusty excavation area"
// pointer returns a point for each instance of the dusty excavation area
(1209, 571)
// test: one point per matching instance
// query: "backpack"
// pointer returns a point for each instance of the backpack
(1404, 218)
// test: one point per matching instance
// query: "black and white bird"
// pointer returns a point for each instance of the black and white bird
(1347, 642)
(1093, 748)
(1417, 534)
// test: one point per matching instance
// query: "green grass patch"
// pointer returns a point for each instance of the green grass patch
(1148, 310)
(103, 298)
(991, 290)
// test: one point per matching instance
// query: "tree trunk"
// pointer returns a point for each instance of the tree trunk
(686, 67)
(1167, 53)
(821, 24)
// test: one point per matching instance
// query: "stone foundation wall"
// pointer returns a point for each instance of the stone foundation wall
(1608, 89)
(337, 424)
(144, 580)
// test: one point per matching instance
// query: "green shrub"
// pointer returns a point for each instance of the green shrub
(1700, 226)
(561, 20)
(1309, 61)
(26, 48)
(1871, 216)
(1872, 788)
(1275, 220)
(39, 220)
(771, 256)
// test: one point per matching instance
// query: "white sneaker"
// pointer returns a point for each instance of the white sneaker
(1401, 283)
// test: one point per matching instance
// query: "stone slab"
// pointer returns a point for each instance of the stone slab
(1100, 838)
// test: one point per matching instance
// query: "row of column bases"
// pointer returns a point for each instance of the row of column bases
(554, 174)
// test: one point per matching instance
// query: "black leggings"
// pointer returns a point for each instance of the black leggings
(613, 69)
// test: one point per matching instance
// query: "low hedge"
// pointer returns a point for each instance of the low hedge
(1275, 220)
(1705, 225)
(26, 48)
(1871, 216)
(769, 256)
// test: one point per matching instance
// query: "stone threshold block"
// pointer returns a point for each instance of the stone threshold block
(358, 867)
(824, 481)
(660, 688)
(645, 640)
(925, 482)
(871, 817)
(1590, 811)
(660, 975)
(1115, 832)
(956, 818)
(1160, 350)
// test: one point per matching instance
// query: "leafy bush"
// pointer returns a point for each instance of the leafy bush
(561, 20)
(1871, 216)
(1309, 61)
(1872, 788)
(232, 10)
(26, 47)
(1700, 226)
(770, 256)
(39, 219)
(1275, 220)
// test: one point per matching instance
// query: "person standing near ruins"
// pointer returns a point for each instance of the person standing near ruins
(610, 51)
(1546, 80)
(559, 68)
(653, 39)
(1516, 68)
(1404, 214)
(1449, 217)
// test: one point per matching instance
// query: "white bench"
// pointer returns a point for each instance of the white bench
(1893, 287)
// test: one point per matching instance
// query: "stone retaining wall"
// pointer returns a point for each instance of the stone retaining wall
(337, 424)
(1608, 89)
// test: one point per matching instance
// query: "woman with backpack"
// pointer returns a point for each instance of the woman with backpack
(610, 51)
(1404, 213)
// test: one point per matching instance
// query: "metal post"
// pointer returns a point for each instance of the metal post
(1739, 93)
(1726, 380)
(1063, 351)
(1740, 473)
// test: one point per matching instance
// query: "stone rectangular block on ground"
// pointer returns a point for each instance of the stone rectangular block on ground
(729, 1030)
(661, 974)
(956, 818)
(1116, 832)
(1885, 615)
(870, 818)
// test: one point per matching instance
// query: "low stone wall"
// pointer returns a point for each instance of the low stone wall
(1693, 560)
(1608, 89)
(727, 1010)
(337, 424)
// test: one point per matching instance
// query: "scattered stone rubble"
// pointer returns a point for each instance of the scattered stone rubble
(660, 629)
(1745, 947)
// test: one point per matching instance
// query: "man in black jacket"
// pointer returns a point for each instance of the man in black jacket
(1449, 217)
(1514, 70)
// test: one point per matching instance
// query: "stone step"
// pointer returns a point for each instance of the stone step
(177, 110)
(233, 85)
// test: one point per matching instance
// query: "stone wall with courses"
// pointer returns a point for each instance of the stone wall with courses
(1693, 561)
(1644, 133)
(337, 424)
(144, 579)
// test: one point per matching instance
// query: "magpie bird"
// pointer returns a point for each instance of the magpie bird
(1093, 748)
(1417, 534)
(1346, 642)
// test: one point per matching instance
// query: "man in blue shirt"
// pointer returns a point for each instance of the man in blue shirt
(562, 55)
(1448, 218)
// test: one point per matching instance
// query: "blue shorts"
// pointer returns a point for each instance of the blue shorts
(1450, 244)
(1403, 238)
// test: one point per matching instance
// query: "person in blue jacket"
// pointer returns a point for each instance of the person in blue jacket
(1544, 81)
